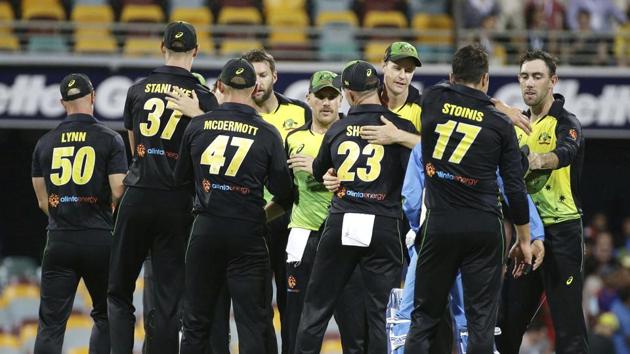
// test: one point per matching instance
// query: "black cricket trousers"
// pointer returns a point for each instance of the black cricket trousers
(68, 257)
(158, 222)
(233, 252)
(381, 268)
(561, 277)
(350, 309)
(468, 240)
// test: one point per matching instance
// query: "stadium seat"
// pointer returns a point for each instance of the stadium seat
(200, 17)
(435, 36)
(22, 302)
(78, 331)
(231, 47)
(382, 5)
(9, 344)
(236, 3)
(18, 269)
(79, 350)
(104, 44)
(622, 43)
(142, 46)
(274, 6)
(6, 15)
(27, 335)
(142, 13)
(206, 45)
(288, 28)
(47, 43)
(239, 15)
(43, 11)
(337, 17)
(91, 2)
(374, 19)
(374, 51)
(9, 42)
(92, 20)
(331, 5)
(337, 42)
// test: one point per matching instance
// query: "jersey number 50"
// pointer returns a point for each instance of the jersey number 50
(446, 130)
(156, 107)
(214, 155)
(353, 150)
(79, 171)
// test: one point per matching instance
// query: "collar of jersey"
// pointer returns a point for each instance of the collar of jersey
(173, 70)
(243, 108)
(556, 107)
(79, 117)
(470, 92)
(367, 108)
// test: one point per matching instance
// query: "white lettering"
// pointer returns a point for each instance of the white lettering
(111, 95)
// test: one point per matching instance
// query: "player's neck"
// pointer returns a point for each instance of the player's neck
(541, 110)
(395, 101)
(319, 128)
(184, 63)
(79, 110)
(229, 98)
(371, 99)
(269, 106)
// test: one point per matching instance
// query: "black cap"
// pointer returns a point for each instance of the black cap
(75, 86)
(238, 73)
(359, 75)
(180, 36)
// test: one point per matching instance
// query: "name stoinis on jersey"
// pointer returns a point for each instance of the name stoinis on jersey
(165, 88)
(464, 112)
(71, 137)
(230, 126)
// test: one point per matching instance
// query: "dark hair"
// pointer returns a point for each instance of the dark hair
(549, 59)
(260, 56)
(470, 63)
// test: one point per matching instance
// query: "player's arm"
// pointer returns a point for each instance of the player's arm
(388, 134)
(39, 186)
(274, 210)
(568, 139)
(117, 168)
(516, 116)
(189, 106)
(279, 181)
(128, 120)
(183, 172)
(323, 161)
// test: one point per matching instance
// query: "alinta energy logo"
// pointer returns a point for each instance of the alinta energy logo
(142, 151)
(208, 186)
(54, 200)
(431, 171)
(344, 192)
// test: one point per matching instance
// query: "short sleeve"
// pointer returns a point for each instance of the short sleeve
(117, 162)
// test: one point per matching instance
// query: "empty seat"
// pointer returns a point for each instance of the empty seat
(198, 16)
(231, 47)
(272, 6)
(6, 15)
(288, 28)
(374, 51)
(9, 344)
(375, 19)
(92, 20)
(78, 331)
(142, 46)
(27, 335)
(337, 17)
(9, 43)
(331, 5)
(239, 15)
(43, 11)
(47, 43)
(435, 36)
(105, 44)
(142, 13)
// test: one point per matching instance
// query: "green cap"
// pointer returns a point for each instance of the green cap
(359, 75)
(322, 79)
(401, 50)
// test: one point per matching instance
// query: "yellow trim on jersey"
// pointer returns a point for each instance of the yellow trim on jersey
(286, 118)
(412, 112)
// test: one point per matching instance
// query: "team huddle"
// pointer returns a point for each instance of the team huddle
(234, 186)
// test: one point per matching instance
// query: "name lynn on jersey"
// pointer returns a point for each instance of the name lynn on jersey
(464, 112)
(230, 126)
(71, 137)
(165, 88)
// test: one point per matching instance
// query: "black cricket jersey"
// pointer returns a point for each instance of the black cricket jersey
(75, 160)
(371, 175)
(157, 128)
(230, 154)
(464, 140)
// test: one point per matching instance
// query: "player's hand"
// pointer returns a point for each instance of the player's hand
(538, 252)
(385, 134)
(331, 181)
(535, 161)
(516, 116)
(299, 162)
(179, 100)
(521, 255)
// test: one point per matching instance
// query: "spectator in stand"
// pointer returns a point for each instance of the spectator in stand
(601, 12)
(602, 261)
(587, 47)
(624, 241)
(471, 13)
(599, 223)
(622, 42)
(487, 39)
(621, 309)
(553, 12)
(511, 16)
(538, 25)
(600, 338)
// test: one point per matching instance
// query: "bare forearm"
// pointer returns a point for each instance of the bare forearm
(522, 233)
(407, 139)
(548, 161)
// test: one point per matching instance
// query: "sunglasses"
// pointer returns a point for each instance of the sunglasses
(331, 95)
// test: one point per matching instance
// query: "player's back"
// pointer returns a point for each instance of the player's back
(157, 127)
(75, 160)
(232, 153)
(371, 175)
(464, 140)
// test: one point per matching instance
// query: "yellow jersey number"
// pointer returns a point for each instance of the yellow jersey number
(77, 167)
(156, 107)
(446, 130)
(214, 155)
(353, 150)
